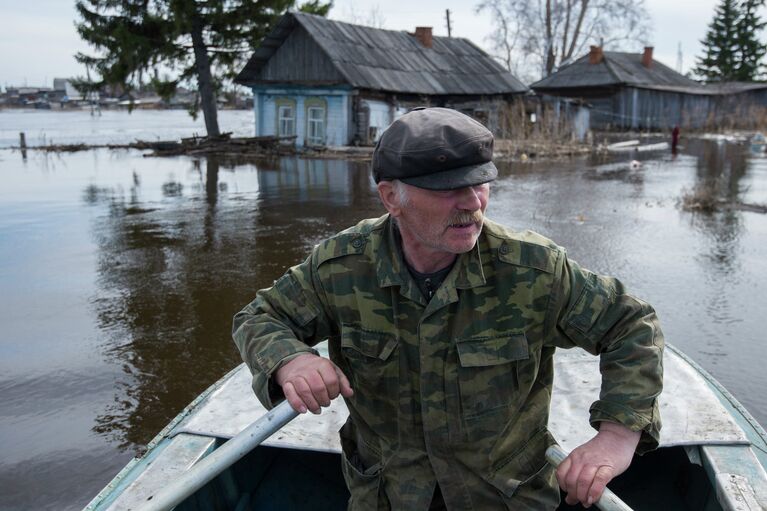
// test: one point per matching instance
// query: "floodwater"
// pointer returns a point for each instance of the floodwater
(119, 276)
(43, 127)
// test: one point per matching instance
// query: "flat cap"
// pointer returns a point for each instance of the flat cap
(436, 149)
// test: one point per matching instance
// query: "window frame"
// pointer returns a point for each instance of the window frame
(283, 120)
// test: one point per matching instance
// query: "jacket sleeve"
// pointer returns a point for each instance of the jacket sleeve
(595, 313)
(283, 322)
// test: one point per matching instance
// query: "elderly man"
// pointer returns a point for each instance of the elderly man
(441, 328)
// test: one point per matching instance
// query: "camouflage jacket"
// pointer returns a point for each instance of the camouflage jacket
(456, 390)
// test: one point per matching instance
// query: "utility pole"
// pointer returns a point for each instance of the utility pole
(447, 16)
(679, 58)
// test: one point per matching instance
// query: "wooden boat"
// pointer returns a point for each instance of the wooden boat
(713, 453)
(632, 146)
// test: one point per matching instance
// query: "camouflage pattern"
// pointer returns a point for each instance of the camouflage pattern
(456, 390)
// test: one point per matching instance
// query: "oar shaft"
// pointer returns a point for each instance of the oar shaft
(230, 452)
(607, 502)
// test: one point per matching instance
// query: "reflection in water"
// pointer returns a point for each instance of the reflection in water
(171, 278)
(720, 170)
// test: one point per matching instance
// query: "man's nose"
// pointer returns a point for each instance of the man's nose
(469, 199)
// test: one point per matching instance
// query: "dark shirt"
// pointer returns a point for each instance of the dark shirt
(428, 283)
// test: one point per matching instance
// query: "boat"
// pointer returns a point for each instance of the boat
(623, 145)
(712, 455)
(758, 143)
(632, 146)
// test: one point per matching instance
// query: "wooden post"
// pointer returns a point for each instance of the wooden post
(23, 145)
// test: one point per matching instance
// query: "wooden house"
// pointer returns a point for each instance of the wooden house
(632, 91)
(740, 104)
(332, 83)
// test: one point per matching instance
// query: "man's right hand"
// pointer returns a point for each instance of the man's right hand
(310, 382)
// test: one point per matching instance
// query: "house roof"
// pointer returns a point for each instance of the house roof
(389, 60)
(736, 87)
(618, 68)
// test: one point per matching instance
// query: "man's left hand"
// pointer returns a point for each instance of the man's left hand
(584, 474)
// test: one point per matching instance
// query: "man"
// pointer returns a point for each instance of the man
(441, 328)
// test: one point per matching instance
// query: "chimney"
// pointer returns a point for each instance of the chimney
(423, 34)
(595, 55)
(647, 57)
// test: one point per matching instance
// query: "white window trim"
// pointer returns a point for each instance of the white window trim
(281, 118)
(318, 125)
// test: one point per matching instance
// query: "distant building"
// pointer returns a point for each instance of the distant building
(64, 93)
(740, 104)
(332, 83)
(632, 91)
(36, 97)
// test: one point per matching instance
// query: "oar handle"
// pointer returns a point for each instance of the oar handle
(607, 502)
(219, 460)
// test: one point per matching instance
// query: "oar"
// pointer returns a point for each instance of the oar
(219, 460)
(607, 502)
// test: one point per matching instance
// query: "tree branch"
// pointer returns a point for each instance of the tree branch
(577, 31)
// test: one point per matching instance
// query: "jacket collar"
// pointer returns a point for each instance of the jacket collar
(392, 271)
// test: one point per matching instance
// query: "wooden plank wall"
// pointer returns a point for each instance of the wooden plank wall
(300, 59)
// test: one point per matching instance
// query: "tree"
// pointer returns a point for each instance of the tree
(732, 47)
(720, 59)
(206, 40)
(750, 50)
(546, 34)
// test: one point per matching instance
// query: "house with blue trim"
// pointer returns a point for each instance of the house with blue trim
(329, 83)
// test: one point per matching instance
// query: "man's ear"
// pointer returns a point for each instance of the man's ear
(390, 198)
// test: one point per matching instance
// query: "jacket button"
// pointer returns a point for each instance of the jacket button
(357, 243)
(504, 249)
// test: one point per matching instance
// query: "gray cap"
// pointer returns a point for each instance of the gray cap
(435, 148)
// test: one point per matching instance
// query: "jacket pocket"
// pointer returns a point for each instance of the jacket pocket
(361, 472)
(524, 478)
(367, 343)
(370, 361)
(488, 373)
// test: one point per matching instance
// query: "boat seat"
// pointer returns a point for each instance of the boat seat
(164, 463)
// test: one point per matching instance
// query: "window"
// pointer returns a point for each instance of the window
(286, 120)
(315, 125)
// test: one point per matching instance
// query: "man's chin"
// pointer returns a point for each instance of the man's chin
(465, 244)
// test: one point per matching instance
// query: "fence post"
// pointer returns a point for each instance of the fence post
(23, 145)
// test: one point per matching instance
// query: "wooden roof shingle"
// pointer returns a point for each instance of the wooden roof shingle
(389, 60)
(618, 68)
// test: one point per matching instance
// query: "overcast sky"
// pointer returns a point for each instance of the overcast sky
(38, 38)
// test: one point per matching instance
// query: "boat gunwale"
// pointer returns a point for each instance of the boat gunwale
(731, 399)
(123, 479)
(166, 433)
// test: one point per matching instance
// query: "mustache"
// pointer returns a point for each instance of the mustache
(465, 217)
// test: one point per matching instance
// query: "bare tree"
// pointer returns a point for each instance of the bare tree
(374, 17)
(537, 36)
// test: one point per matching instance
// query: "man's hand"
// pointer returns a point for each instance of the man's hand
(309, 382)
(584, 474)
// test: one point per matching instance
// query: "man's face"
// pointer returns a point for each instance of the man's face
(443, 221)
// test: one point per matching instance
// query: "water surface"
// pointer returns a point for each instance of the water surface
(43, 127)
(119, 276)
